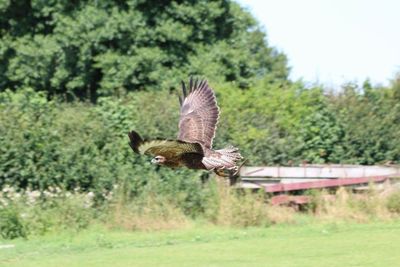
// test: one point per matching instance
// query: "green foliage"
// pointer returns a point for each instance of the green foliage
(369, 118)
(47, 143)
(71, 212)
(126, 59)
(43, 145)
(321, 135)
(88, 48)
(11, 225)
(265, 120)
(31, 212)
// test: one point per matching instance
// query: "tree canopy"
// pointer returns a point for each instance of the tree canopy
(92, 48)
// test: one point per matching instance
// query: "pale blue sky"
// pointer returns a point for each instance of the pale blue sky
(334, 41)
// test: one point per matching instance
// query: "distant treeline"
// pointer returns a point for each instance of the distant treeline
(76, 76)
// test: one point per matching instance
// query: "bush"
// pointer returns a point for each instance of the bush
(368, 118)
(11, 224)
(46, 143)
(31, 212)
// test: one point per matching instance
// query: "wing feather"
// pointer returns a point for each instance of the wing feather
(162, 147)
(199, 114)
(168, 148)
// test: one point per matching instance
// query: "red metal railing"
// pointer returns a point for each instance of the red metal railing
(326, 183)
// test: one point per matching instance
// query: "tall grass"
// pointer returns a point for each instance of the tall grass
(361, 207)
(242, 208)
(224, 206)
(147, 213)
(32, 212)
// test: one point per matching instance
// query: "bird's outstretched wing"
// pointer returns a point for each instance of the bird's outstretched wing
(199, 114)
(166, 148)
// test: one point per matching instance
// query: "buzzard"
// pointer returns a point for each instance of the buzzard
(199, 115)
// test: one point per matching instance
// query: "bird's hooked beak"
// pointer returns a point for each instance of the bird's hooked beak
(153, 161)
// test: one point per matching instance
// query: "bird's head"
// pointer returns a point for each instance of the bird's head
(159, 160)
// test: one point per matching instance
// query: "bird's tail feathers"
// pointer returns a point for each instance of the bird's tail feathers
(225, 158)
(135, 141)
(230, 154)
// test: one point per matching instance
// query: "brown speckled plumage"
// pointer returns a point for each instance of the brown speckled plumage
(199, 115)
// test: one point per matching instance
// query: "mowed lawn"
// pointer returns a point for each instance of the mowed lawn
(341, 245)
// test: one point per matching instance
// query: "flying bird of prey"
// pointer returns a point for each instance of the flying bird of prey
(199, 115)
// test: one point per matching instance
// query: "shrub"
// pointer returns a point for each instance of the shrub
(11, 223)
(35, 213)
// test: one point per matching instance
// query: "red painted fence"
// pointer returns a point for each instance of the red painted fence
(325, 183)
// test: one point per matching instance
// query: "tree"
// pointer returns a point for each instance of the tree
(91, 48)
(369, 118)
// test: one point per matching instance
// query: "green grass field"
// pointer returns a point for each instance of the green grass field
(342, 245)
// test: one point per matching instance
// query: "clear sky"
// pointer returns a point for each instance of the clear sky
(334, 41)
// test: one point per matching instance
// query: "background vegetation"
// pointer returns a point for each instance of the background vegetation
(76, 76)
